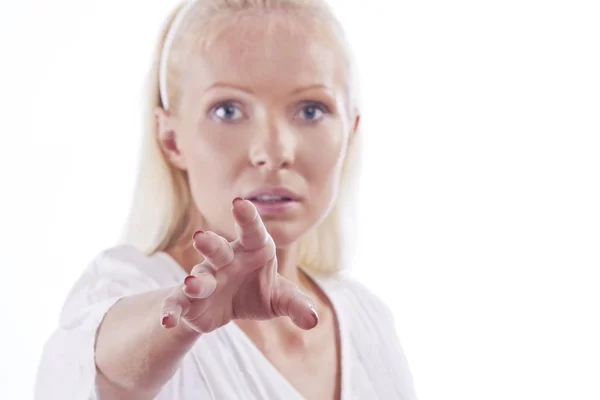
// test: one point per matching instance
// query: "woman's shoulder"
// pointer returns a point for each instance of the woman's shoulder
(116, 272)
(119, 255)
(128, 262)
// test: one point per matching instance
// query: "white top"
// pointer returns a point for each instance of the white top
(224, 364)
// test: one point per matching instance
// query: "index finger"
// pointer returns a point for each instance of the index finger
(249, 227)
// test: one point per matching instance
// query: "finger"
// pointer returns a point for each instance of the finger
(214, 248)
(249, 226)
(201, 282)
(174, 306)
(291, 302)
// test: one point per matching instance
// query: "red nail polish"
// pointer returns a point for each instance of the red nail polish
(196, 234)
(236, 200)
(188, 279)
(164, 319)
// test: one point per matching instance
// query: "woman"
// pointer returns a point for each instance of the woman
(230, 284)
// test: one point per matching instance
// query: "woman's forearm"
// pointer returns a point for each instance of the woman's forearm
(135, 355)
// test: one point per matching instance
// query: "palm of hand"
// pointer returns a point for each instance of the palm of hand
(237, 280)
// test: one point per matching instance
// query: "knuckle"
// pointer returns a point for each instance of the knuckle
(249, 217)
(197, 269)
(270, 256)
(169, 302)
(260, 257)
(269, 249)
(213, 247)
(201, 269)
(226, 255)
(264, 235)
(269, 240)
(228, 258)
(254, 217)
(256, 238)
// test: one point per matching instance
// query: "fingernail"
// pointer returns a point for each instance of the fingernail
(236, 200)
(196, 234)
(314, 314)
(188, 279)
(164, 319)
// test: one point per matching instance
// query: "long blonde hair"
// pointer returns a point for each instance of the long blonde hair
(162, 198)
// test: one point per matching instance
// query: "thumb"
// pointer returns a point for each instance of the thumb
(291, 302)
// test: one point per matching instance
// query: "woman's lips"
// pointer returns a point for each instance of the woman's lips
(272, 193)
(272, 200)
(271, 207)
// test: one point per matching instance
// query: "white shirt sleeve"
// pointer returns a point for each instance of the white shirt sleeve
(67, 370)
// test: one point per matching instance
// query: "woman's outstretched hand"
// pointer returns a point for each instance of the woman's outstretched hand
(237, 280)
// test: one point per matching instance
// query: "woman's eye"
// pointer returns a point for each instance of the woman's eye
(228, 112)
(313, 112)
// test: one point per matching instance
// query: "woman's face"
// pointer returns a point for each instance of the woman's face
(263, 115)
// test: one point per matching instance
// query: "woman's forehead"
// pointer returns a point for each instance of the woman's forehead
(266, 51)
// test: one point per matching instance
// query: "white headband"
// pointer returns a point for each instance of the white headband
(168, 43)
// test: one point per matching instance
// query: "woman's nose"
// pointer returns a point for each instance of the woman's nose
(274, 149)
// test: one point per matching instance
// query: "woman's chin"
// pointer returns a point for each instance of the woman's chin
(284, 233)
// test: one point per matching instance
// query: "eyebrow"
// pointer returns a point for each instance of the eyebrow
(250, 91)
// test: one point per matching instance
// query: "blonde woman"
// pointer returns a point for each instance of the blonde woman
(229, 284)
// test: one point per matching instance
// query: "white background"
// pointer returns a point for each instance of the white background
(480, 206)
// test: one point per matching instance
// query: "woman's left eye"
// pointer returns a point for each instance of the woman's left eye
(313, 111)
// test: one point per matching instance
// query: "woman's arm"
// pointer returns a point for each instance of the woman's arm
(135, 355)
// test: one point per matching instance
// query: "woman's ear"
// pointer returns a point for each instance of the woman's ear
(167, 138)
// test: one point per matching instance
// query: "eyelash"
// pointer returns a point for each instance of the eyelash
(315, 104)
(226, 104)
(304, 105)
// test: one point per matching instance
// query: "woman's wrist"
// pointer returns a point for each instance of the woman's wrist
(185, 333)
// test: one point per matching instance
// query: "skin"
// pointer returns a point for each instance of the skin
(248, 117)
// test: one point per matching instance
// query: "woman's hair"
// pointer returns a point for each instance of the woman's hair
(161, 201)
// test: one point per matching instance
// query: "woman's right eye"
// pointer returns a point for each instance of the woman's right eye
(227, 112)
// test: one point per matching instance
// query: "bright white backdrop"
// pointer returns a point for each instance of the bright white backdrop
(480, 221)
